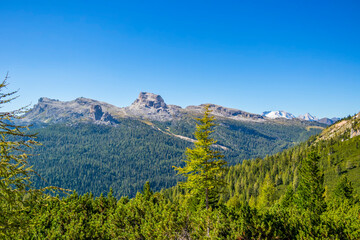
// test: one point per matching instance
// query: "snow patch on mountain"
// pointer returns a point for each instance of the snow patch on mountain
(308, 117)
(278, 114)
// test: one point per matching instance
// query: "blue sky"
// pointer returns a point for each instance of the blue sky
(297, 56)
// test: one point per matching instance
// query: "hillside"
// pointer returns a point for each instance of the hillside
(338, 147)
(90, 146)
(242, 212)
(94, 157)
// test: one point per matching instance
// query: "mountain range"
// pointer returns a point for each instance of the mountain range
(89, 145)
(306, 117)
(147, 106)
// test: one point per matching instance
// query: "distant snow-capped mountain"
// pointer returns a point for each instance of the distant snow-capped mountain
(278, 114)
(308, 117)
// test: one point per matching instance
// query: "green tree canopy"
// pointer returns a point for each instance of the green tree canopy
(310, 192)
(14, 172)
(204, 166)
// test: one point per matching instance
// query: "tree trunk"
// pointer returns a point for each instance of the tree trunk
(207, 199)
(207, 212)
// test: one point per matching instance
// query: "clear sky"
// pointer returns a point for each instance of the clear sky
(298, 56)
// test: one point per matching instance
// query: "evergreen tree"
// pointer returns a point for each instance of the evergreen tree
(204, 165)
(267, 193)
(14, 172)
(310, 192)
(344, 189)
(288, 197)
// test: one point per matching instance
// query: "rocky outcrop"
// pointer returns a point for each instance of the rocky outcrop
(149, 100)
(97, 112)
(342, 127)
(232, 113)
(354, 133)
(81, 109)
(153, 107)
(100, 117)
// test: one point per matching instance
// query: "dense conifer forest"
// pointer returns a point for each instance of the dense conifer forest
(92, 158)
(307, 192)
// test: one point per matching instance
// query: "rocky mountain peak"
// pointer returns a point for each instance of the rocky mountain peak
(149, 100)
(152, 106)
(308, 117)
(83, 101)
(45, 99)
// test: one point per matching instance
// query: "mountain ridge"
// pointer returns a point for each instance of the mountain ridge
(147, 106)
(280, 114)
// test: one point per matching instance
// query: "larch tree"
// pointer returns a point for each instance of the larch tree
(204, 166)
(14, 172)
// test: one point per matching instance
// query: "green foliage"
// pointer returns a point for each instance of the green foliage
(26, 213)
(244, 180)
(152, 216)
(204, 166)
(15, 194)
(246, 139)
(93, 158)
(288, 198)
(267, 193)
(310, 193)
(345, 191)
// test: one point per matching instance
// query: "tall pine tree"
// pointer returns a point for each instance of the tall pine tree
(310, 192)
(204, 166)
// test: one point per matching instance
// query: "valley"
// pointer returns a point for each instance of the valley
(92, 146)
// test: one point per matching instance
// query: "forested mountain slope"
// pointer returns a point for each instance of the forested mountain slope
(94, 158)
(243, 211)
(90, 157)
(338, 147)
(89, 145)
(76, 151)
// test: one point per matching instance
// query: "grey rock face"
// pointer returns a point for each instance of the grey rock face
(149, 100)
(107, 118)
(147, 106)
(81, 109)
(232, 113)
(153, 107)
(100, 117)
(96, 110)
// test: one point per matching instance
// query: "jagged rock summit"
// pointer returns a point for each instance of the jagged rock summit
(152, 106)
(149, 100)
